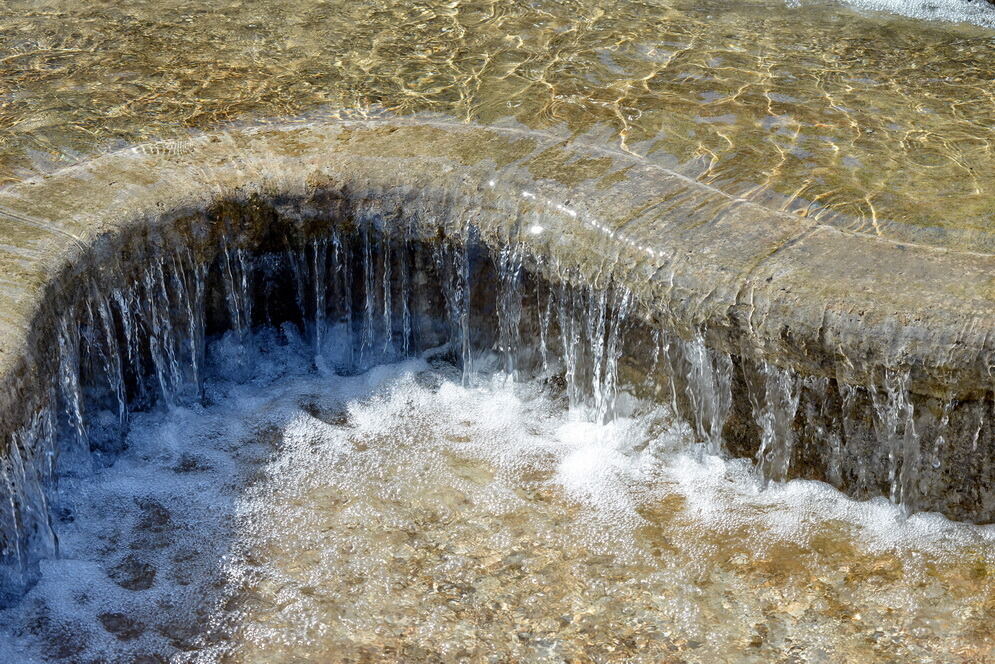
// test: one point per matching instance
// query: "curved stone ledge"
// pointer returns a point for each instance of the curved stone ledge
(769, 289)
(803, 296)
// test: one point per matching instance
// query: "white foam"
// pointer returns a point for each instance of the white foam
(216, 467)
(978, 12)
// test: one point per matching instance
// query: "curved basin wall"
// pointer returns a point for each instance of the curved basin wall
(553, 258)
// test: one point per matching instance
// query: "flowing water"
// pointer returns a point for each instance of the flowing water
(361, 447)
(867, 120)
(400, 515)
(386, 475)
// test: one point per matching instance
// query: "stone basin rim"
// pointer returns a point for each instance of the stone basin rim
(582, 144)
(800, 294)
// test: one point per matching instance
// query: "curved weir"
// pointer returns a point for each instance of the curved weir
(821, 354)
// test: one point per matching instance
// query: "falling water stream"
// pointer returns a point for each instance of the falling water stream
(369, 447)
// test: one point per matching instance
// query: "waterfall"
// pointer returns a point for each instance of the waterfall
(896, 428)
(236, 275)
(407, 333)
(370, 298)
(775, 413)
(136, 337)
(110, 352)
(453, 264)
(319, 271)
(509, 307)
(819, 418)
(69, 379)
(701, 376)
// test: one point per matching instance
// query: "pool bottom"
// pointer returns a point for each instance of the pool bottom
(402, 515)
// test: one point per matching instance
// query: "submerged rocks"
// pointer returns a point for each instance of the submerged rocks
(121, 626)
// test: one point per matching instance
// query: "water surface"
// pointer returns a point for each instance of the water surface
(874, 122)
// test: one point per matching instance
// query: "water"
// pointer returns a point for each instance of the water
(966, 11)
(214, 479)
(128, 345)
(865, 120)
(133, 344)
(399, 514)
(359, 446)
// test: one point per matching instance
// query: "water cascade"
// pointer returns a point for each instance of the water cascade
(126, 343)
(132, 336)
(374, 273)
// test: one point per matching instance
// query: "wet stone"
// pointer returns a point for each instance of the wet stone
(335, 415)
(149, 659)
(155, 518)
(121, 626)
(190, 463)
(183, 634)
(59, 639)
(133, 574)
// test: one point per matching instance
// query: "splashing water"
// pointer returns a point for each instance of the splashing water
(400, 513)
(382, 472)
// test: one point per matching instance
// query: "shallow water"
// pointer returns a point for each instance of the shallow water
(869, 120)
(399, 515)
(404, 514)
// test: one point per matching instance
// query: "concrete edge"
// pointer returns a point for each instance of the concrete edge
(803, 296)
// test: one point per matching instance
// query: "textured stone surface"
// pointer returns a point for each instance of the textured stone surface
(777, 287)
(804, 294)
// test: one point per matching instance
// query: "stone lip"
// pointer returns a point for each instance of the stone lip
(778, 286)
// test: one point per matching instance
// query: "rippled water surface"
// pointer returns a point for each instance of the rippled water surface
(400, 515)
(404, 514)
(872, 121)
